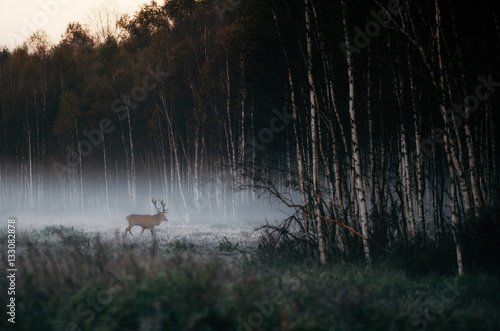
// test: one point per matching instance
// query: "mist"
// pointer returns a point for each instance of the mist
(52, 200)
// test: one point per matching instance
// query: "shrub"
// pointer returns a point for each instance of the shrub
(480, 238)
(227, 246)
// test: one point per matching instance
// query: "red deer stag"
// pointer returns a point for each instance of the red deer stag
(147, 221)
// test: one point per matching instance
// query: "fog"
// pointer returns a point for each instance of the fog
(44, 199)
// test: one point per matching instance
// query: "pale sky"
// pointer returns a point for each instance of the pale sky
(21, 18)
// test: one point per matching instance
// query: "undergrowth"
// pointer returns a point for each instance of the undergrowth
(72, 280)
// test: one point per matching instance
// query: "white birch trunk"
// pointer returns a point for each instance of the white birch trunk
(132, 160)
(105, 172)
(314, 136)
(298, 148)
(358, 184)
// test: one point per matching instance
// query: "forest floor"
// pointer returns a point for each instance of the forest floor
(211, 277)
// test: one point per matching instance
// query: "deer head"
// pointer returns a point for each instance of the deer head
(161, 212)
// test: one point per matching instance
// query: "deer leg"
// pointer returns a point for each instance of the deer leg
(128, 229)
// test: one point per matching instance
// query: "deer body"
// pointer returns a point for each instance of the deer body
(147, 221)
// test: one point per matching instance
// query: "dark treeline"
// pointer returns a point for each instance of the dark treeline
(376, 115)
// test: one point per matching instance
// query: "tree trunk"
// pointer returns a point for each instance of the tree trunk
(132, 159)
(176, 155)
(454, 218)
(314, 136)
(298, 147)
(105, 172)
(359, 186)
(417, 123)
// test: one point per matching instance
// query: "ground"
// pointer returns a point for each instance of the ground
(211, 277)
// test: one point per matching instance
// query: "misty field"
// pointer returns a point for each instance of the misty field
(223, 277)
(322, 164)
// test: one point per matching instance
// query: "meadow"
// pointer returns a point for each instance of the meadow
(223, 277)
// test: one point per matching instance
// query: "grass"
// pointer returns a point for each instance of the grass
(227, 246)
(73, 280)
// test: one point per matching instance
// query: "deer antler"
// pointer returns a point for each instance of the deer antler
(163, 210)
(163, 207)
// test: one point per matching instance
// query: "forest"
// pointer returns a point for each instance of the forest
(371, 126)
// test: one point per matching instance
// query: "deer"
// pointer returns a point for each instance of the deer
(147, 221)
